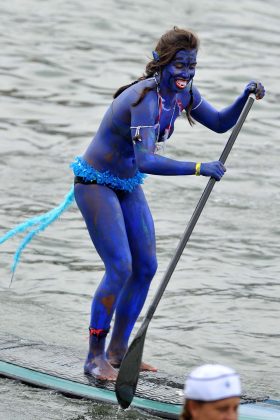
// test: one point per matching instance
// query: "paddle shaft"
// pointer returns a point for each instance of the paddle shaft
(195, 216)
(130, 367)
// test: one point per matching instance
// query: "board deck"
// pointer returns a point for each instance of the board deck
(61, 369)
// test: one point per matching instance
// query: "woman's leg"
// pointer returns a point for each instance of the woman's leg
(103, 215)
(141, 236)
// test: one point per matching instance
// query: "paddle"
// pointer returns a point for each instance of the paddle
(130, 367)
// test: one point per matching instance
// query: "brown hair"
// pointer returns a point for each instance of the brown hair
(186, 413)
(168, 45)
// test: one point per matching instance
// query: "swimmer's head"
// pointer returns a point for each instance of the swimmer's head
(212, 392)
(211, 383)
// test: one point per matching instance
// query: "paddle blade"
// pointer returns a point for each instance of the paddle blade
(129, 371)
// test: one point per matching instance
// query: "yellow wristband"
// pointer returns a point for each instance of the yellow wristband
(197, 168)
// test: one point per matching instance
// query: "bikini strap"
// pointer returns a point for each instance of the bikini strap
(137, 136)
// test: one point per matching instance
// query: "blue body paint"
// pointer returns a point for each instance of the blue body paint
(128, 251)
(178, 73)
(114, 207)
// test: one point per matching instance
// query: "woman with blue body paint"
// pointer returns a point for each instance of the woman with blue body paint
(108, 190)
(118, 218)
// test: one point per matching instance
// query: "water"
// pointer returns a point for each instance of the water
(60, 63)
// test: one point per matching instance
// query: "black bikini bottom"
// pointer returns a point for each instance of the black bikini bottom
(80, 180)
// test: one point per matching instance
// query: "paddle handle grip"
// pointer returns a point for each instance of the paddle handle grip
(197, 212)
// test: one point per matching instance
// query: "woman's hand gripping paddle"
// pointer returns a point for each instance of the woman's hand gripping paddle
(130, 367)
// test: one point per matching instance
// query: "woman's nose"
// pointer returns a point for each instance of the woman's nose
(186, 73)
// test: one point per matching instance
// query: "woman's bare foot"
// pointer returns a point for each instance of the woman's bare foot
(100, 368)
(144, 367)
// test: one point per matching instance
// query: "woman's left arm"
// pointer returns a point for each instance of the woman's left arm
(222, 121)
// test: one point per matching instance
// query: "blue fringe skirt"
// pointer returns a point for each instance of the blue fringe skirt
(84, 170)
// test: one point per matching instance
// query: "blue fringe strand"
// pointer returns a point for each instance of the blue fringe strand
(42, 223)
(39, 223)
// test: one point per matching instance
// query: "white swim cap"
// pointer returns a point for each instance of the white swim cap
(211, 383)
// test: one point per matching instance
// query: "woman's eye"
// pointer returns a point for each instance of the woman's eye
(179, 66)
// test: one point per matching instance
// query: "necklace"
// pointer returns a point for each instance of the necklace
(168, 128)
(158, 145)
(157, 125)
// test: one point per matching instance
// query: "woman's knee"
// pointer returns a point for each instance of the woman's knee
(152, 267)
(146, 269)
(120, 269)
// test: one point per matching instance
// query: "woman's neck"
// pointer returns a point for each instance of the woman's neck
(167, 95)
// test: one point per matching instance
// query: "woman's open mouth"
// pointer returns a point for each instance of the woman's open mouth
(181, 83)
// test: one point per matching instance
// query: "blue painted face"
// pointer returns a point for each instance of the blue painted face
(180, 71)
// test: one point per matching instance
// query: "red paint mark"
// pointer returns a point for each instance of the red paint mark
(108, 302)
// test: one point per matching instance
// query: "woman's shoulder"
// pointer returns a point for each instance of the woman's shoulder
(138, 87)
(145, 83)
(133, 92)
(196, 95)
